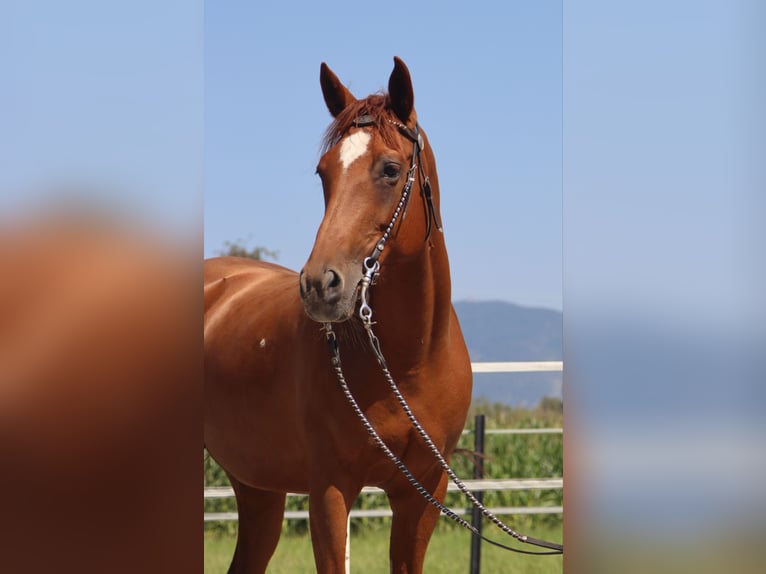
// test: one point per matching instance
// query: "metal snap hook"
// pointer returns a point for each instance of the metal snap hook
(370, 266)
(365, 313)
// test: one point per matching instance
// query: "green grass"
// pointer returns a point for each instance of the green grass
(448, 552)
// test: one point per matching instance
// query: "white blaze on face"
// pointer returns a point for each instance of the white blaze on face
(353, 147)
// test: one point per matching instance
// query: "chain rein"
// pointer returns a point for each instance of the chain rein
(371, 267)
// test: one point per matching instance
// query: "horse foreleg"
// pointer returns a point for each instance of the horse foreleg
(328, 509)
(413, 523)
(260, 524)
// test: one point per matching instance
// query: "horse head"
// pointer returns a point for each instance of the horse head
(371, 150)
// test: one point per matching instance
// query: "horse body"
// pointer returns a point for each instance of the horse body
(260, 397)
(275, 417)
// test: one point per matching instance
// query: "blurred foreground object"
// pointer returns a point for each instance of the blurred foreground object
(100, 363)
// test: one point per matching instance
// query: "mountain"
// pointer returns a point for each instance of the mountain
(499, 331)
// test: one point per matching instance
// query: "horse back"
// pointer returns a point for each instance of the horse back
(252, 311)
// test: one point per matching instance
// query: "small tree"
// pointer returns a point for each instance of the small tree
(551, 404)
(238, 249)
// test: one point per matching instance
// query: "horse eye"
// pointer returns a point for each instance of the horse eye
(391, 170)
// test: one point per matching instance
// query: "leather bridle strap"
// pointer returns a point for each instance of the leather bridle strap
(416, 138)
(425, 183)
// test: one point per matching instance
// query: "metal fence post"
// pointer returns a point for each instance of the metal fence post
(478, 472)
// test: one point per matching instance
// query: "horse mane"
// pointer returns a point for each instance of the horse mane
(375, 105)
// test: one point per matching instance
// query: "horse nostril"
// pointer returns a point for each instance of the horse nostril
(335, 280)
(326, 286)
(302, 284)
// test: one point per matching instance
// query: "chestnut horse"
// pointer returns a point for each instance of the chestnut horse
(275, 417)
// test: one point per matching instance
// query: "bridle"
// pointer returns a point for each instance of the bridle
(415, 165)
(371, 265)
(371, 268)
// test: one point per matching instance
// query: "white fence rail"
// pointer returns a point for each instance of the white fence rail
(387, 513)
(519, 431)
(481, 485)
(518, 367)
(473, 485)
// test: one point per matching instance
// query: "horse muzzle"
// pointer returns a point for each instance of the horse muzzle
(327, 296)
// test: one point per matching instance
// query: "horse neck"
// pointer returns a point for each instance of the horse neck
(412, 304)
(413, 298)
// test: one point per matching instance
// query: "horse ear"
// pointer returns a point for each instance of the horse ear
(400, 92)
(336, 95)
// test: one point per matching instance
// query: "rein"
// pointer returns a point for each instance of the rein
(371, 267)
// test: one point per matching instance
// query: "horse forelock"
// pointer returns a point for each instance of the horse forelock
(375, 105)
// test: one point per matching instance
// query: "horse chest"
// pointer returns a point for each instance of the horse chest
(343, 438)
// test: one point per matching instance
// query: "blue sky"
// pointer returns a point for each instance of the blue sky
(487, 86)
(106, 99)
(661, 131)
(662, 139)
(663, 122)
